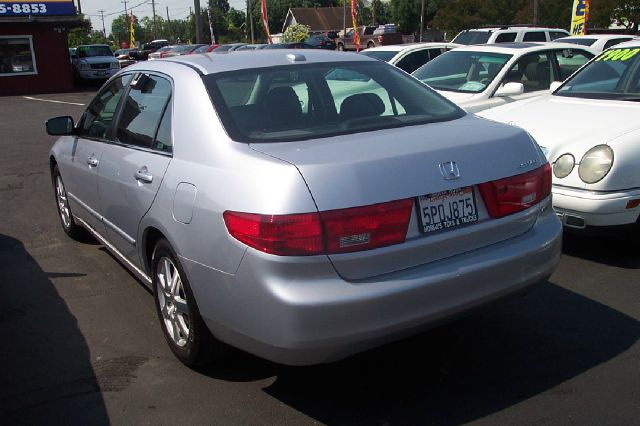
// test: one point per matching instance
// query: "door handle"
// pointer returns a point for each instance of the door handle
(92, 161)
(143, 175)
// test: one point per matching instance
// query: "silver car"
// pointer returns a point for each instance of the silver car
(302, 205)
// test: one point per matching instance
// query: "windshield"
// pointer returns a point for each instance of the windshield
(458, 71)
(90, 51)
(615, 74)
(381, 55)
(472, 37)
(308, 101)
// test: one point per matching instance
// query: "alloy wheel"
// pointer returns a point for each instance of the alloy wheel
(172, 301)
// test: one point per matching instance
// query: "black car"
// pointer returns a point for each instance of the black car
(293, 45)
(321, 41)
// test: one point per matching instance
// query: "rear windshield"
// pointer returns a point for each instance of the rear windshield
(472, 37)
(298, 102)
(582, 41)
(381, 55)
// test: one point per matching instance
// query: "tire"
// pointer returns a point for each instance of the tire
(180, 320)
(341, 47)
(69, 225)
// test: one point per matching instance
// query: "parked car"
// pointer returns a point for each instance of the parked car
(228, 47)
(94, 62)
(255, 46)
(596, 42)
(72, 54)
(321, 41)
(486, 76)
(147, 49)
(409, 57)
(205, 48)
(590, 131)
(302, 206)
(368, 38)
(289, 45)
(508, 34)
(162, 52)
(124, 56)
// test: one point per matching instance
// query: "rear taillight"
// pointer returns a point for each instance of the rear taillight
(328, 232)
(510, 195)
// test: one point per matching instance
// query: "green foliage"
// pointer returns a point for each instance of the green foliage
(296, 33)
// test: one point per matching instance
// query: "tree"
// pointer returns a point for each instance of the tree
(80, 35)
(296, 33)
(406, 13)
(120, 29)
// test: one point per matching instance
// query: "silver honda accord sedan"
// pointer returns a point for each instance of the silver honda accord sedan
(302, 205)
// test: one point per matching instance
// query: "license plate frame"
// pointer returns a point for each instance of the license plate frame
(447, 219)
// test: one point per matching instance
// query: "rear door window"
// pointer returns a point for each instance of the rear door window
(413, 60)
(506, 37)
(142, 110)
(534, 36)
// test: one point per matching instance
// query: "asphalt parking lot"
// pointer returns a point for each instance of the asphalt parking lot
(81, 342)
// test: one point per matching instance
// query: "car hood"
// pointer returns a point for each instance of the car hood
(99, 59)
(557, 122)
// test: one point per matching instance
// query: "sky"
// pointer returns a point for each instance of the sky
(178, 9)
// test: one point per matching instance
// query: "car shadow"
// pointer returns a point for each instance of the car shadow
(456, 373)
(613, 251)
(46, 370)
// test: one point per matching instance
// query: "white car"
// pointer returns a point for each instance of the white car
(508, 34)
(596, 42)
(590, 131)
(409, 57)
(486, 76)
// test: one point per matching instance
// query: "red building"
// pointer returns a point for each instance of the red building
(34, 54)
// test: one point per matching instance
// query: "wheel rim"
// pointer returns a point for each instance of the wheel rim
(173, 301)
(63, 203)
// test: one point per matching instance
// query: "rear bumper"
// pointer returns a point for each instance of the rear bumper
(304, 313)
(580, 209)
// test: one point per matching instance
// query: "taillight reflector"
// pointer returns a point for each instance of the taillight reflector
(327, 232)
(510, 195)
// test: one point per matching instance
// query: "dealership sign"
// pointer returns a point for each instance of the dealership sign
(37, 8)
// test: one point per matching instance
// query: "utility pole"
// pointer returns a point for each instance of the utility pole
(79, 7)
(250, 16)
(344, 18)
(196, 7)
(422, 20)
(536, 9)
(373, 13)
(153, 7)
(125, 7)
(104, 32)
(168, 23)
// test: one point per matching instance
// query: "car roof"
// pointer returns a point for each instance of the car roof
(597, 36)
(410, 46)
(526, 47)
(233, 61)
(508, 28)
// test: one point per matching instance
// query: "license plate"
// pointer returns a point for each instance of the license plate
(447, 209)
(101, 73)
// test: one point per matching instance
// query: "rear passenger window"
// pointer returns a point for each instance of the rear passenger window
(534, 36)
(506, 37)
(142, 110)
(569, 61)
(413, 60)
(556, 34)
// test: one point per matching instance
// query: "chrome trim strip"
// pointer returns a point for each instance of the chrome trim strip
(133, 268)
(591, 191)
(119, 231)
(85, 206)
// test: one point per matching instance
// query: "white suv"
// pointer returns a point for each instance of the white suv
(508, 34)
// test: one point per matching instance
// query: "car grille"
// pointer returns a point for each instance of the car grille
(100, 66)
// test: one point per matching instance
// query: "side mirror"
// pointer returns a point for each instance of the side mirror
(510, 89)
(554, 86)
(60, 126)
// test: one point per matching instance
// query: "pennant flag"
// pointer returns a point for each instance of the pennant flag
(265, 21)
(356, 32)
(579, 16)
(213, 37)
(132, 37)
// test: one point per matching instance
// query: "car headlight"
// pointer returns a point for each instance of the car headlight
(563, 166)
(595, 164)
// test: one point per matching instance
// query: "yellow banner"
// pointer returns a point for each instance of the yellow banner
(579, 16)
